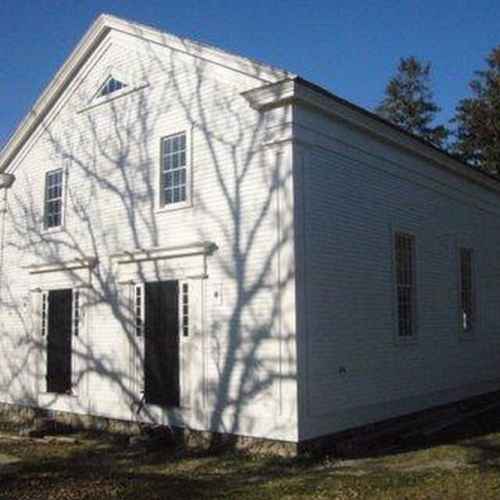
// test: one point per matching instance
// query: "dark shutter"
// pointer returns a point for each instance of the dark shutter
(59, 342)
(162, 344)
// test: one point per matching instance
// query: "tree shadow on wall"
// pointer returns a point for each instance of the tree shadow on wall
(241, 201)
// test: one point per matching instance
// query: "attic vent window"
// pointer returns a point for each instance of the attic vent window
(112, 85)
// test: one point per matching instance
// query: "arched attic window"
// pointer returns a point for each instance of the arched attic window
(111, 85)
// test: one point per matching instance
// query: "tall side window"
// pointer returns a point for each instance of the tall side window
(139, 310)
(185, 310)
(53, 198)
(44, 314)
(173, 182)
(76, 312)
(466, 290)
(404, 250)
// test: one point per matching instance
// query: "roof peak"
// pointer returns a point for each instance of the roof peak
(102, 25)
(250, 66)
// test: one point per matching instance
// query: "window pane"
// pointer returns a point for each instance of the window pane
(168, 180)
(53, 198)
(168, 196)
(111, 86)
(174, 168)
(466, 290)
(404, 251)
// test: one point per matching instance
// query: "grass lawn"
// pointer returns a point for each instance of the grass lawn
(462, 463)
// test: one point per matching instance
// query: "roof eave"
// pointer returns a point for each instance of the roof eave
(302, 92)
(54, 89)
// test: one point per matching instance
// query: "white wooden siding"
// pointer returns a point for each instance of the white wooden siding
(239, 380)
(357, 192)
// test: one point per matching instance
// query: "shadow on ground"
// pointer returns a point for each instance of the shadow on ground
(461, 462)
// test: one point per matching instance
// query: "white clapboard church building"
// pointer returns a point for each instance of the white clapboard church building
(192, 238)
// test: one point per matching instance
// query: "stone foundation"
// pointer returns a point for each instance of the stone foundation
(367, 440)
(22, 416)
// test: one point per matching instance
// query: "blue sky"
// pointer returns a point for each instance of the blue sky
(349, 47)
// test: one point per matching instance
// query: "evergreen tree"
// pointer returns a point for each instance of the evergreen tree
(477, 118)
(409, 101)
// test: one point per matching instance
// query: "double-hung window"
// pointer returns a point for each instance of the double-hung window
(404, 251)
(53, 210)
(466, 290)
(174, 170)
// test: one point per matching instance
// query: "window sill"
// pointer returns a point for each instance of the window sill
(51, 230)
(173, 411)
(174, 206)
(71, 395)
(99, 101)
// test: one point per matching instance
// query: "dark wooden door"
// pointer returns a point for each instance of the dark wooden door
(161, 340)
(59, 341)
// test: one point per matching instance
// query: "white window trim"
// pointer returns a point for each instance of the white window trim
(182, 316)
(467, 334)
(136, 344)
(55, 229)
(188, 203)
(99, 100)
(185, 343)
(44, 321)
(399, 339)
(76, 320)
(139, 331)
(132, 85)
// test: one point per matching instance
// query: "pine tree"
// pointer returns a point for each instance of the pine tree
(409, 101)
(477, 118)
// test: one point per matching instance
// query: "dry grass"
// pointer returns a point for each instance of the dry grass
(464, 463)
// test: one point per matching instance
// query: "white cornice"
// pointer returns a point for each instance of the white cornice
(272, 96)
(92, 38)
(140, 255)
(302, 93)
(70, 265)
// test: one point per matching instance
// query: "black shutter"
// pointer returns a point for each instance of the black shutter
(59, 342)
(162, 343)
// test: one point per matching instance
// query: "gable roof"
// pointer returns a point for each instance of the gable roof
(277, 86)
(87, 45)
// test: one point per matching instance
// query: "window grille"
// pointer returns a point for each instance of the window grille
(466, 290)
(112, 85)
(185, 310)
(173, 169)
(139, 310)
(45, 313)
(53, 198)
(76, 313)
(405, 283)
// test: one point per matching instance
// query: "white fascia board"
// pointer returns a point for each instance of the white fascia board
(301, 93)
(258, 70)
